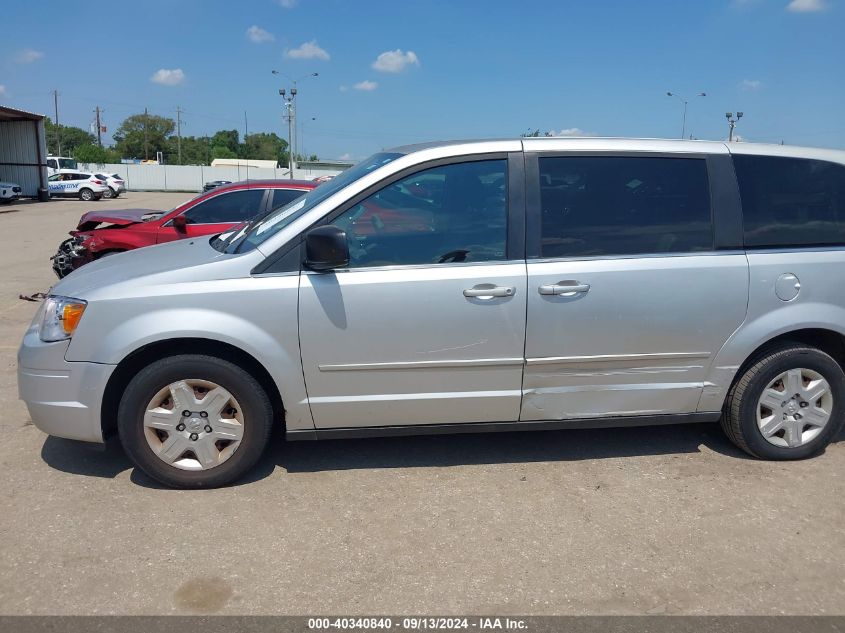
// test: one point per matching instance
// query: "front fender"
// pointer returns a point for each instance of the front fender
(258, 320)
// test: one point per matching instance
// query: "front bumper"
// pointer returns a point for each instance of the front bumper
(70, 256)
(64, 399)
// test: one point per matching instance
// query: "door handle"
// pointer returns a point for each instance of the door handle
(489, 290)
(564, 288)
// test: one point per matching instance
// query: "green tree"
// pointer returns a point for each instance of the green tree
(129, 137)
(264, 146)
(196, 150)
(228, 139)
(71, 138)
(91, 153)
(221, 151)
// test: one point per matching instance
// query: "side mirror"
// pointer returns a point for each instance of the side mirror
(326, 248)
(180, 223)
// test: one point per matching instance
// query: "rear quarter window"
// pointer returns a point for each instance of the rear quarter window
(788, 202)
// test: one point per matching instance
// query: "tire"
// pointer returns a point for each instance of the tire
(744, 407)
(86, 195)
(109, 193)
(138, 439)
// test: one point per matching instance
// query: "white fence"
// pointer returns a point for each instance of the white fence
(193, 177)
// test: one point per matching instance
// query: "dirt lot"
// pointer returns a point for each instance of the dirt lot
(663, 520)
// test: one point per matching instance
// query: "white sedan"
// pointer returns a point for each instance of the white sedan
(76, 184)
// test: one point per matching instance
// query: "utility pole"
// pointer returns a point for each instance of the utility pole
(146, 147)
(58, 129)
(99, 127)
(179, 133)
(732, 123)
(288, 104)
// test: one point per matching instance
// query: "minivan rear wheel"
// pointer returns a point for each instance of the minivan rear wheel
(788, 404)
(194, 421)
(86, 194)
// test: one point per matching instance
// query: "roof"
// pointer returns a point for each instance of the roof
(12, 114)
(571, 143)
(278, 183)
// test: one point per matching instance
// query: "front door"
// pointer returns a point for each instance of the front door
(628, 298)
(427, 324)
(216, 214)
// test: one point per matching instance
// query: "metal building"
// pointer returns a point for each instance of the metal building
(23, 150)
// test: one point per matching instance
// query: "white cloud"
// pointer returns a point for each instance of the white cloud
(806, 6)
(346, 156)
(570, 131)
(258, 35)
(288, 4)
(395, 61)
(28, 55)
(2, 90)
(751, 84)
(308, 50)
(167, 77)
(366, 85)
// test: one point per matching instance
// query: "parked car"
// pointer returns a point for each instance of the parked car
(213, 184)
(558, 283)
(115, 183)
(9, 192)
(102, 233)
(76, 184)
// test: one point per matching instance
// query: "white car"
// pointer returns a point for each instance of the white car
(70, 183)
(115, 183)
(9, 192)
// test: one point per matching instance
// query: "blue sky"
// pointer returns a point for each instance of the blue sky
(448, 68)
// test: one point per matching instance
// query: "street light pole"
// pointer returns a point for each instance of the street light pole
(732, 123)
(685, 102)
(290, 105)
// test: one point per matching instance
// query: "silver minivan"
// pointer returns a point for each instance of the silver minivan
(547, 283)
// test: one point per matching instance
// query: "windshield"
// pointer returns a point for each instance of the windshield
(251, 235)
(67, 163)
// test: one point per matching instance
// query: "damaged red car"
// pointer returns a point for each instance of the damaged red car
(103, 233)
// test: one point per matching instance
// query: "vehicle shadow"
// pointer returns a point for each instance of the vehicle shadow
(501, 448)
(79, 458)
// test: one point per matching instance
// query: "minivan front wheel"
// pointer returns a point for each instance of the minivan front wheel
(194, 421)
(789, 404)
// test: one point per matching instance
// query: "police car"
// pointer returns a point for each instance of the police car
(70, 183)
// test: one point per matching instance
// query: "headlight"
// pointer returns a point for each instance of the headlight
(60, 317)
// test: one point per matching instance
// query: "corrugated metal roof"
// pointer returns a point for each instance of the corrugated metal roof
(7, 113)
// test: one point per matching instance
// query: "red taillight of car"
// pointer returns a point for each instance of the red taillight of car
(98, 182)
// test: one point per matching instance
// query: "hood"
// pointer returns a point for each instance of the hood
(119, 217)
(170, 262)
